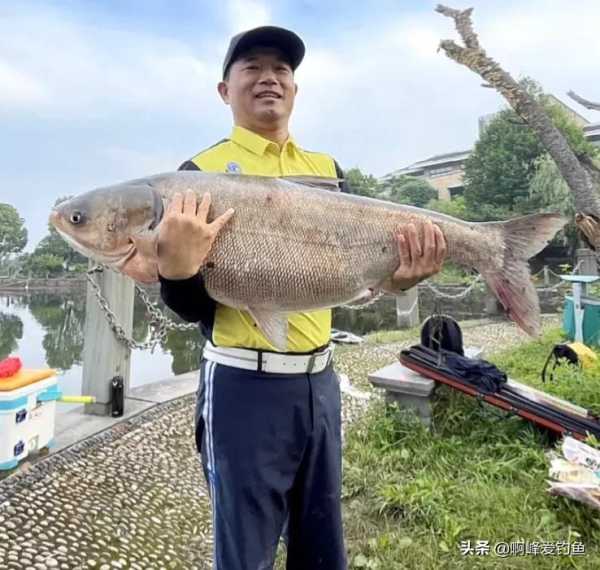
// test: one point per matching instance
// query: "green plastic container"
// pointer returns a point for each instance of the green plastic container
(591, 320)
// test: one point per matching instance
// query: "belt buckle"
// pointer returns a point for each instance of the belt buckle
(313, 358)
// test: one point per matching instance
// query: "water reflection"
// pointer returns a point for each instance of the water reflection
(61, 320)
(11, 330)
(46, 329)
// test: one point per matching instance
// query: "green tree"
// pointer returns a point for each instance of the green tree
(42, 264)
(362, 184)
(409, 190)
(456, 208)
(13, 234)
(550, 191)
(570, 129)
(499, 170)
(53, 255)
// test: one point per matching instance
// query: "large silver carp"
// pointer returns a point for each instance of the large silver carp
(295, 245)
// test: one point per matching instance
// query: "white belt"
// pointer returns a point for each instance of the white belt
(269, 361)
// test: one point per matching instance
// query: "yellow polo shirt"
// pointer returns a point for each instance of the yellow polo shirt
(245, 152)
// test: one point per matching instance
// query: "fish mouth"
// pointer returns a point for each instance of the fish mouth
(116, 258)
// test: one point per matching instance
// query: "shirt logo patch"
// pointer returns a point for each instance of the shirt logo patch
(234, 168)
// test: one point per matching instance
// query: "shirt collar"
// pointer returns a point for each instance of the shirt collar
(257, 144)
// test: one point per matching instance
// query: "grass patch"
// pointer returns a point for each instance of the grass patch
(570, 383)
(411, 495)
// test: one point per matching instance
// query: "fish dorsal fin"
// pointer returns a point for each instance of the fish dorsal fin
(273, 325)
(321, 182)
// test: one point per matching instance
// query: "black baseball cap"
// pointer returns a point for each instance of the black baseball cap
(269, 36)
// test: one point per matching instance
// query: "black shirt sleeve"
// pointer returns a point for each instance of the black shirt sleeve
(344, 186)
(189, 165)
(189, 298)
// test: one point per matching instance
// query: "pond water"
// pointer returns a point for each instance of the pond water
(46, 330)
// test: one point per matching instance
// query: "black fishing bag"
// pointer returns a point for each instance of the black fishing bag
(442, 331)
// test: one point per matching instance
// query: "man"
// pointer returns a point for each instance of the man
(267, 424)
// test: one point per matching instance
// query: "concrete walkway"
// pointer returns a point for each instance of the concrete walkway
(74, 425)
(129, 492)
(122, 492)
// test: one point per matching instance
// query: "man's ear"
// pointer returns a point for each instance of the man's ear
(295, 89)
(223, 90)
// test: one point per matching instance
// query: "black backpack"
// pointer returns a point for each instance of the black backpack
(560, 353)
(442, 331)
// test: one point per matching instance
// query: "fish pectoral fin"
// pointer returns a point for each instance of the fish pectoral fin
(322, 182)
(365, 297)
(142, 264)
(146, 245)
(139, 268)
(273, 325)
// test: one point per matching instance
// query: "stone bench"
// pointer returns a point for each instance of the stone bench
(408, 388)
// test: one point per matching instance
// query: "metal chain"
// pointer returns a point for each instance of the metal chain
(554, 287)
(573, 272)
(460, 295)
(160, 325)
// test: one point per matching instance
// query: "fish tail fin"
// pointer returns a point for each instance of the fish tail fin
(510, 280)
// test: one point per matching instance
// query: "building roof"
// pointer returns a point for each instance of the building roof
(591, 131)
(436, 160)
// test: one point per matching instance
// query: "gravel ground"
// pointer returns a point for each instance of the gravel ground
(134, 496)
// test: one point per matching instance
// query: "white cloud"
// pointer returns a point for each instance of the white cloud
(19, 88)
(67, 69)
(387, 83)
(247, 14)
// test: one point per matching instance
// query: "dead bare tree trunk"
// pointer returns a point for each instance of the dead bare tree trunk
(581, 175)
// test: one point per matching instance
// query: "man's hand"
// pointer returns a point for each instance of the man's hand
(185, 238)
(419, 259)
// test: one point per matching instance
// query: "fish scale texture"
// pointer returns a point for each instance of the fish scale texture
(295, 247)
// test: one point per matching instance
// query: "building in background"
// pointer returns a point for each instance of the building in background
(445, 172)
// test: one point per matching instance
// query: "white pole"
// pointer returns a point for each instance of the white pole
(407, 309)
(103, 355)
(578, 311)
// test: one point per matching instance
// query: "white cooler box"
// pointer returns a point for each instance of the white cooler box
(27, 420)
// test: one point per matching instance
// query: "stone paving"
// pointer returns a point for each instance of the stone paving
(134, 496)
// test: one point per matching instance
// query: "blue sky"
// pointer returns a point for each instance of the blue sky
(94, 93)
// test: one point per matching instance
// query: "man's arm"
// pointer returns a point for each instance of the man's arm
(188, 298)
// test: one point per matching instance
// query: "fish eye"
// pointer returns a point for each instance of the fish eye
(76, 217)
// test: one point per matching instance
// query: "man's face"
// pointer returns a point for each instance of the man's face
(260, 88)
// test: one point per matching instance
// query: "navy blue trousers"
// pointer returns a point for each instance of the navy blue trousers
(271, 453)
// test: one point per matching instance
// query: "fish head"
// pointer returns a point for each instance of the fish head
(114, 225)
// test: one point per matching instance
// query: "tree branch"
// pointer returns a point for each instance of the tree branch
(584, 102)
(462, 18)
(578, 178)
